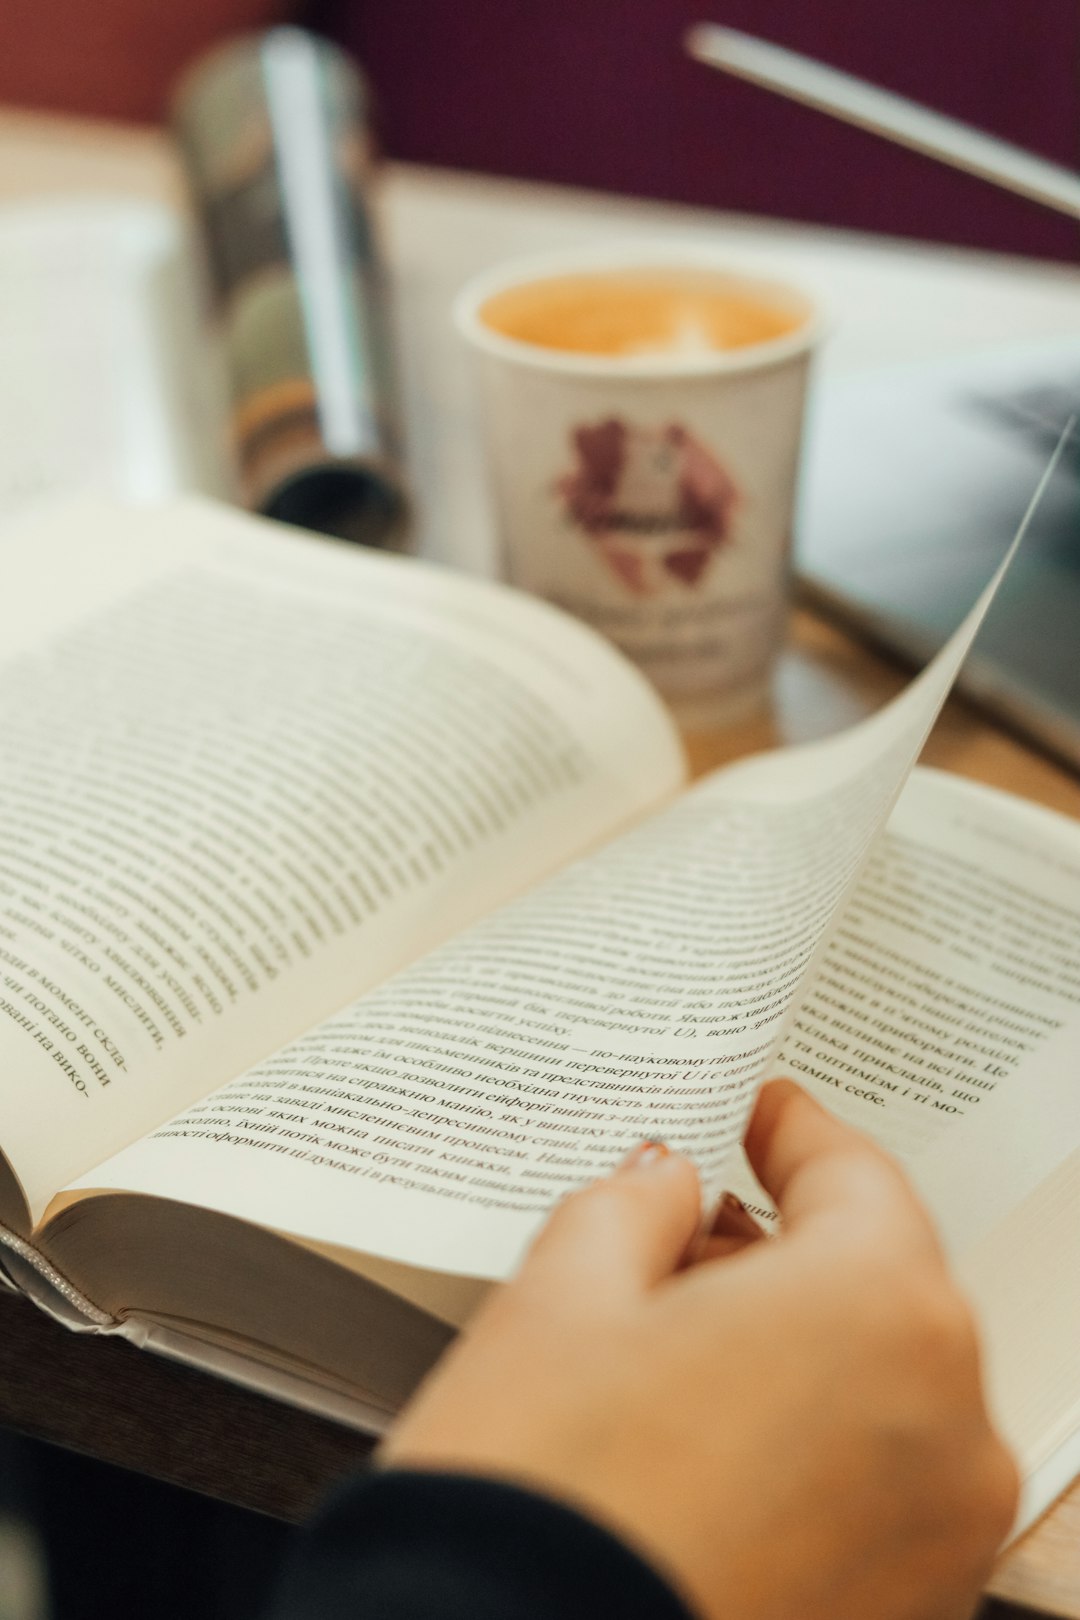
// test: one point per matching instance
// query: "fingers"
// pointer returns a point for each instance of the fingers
(815, 1168)
(731, 1230)
(733, 1219)
(621, 1235)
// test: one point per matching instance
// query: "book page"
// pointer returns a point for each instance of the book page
(245, 775)
(953, 970)
(944, 1014)
(945, 1019)
(641, 992)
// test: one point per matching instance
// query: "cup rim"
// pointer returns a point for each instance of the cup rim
(635, 255)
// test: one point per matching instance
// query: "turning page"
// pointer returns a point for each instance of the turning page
(243, 777)
(640, 991)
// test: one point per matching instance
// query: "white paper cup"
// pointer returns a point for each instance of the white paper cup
(652, 495)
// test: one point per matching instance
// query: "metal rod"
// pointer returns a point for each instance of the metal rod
(887, 114)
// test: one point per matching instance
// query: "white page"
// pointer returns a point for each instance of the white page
(944, 1019)
(245, 775)
(984, 892)
(948, 987)
(944, 1014)
(435, 1122)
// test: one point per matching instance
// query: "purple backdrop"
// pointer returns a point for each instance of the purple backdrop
(599, 93)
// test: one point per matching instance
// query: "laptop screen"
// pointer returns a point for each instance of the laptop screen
(915, 481)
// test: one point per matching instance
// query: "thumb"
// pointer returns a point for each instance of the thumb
(622, 1235)
(820, 1172)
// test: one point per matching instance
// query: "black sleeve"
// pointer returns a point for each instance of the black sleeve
(419, 1546)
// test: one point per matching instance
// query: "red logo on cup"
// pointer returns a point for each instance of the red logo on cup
(655, 502)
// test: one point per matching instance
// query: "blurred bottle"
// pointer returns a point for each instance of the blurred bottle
(274, 131)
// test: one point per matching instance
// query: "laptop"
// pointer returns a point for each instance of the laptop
(915, 480)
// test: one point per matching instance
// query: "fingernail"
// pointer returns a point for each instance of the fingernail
(645, 1155)
(731, 1217)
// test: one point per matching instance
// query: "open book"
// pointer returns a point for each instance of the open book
(351, 911)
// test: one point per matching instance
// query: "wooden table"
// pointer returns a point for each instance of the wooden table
(891, 300)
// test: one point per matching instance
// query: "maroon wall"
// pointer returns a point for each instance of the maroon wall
(600, 93)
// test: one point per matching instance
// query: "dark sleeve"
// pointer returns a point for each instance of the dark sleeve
(427, 1546)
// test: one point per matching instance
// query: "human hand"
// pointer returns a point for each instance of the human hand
(795, 1431)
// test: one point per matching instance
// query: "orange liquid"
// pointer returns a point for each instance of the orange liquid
(638, 312)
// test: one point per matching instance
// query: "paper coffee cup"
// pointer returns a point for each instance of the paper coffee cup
(652, 493)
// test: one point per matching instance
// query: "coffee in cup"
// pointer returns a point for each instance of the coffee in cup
(636, 313)
(643, 413)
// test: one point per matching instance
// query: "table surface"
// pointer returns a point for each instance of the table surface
(889, 300)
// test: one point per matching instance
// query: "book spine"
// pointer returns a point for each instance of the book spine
(26, 1270)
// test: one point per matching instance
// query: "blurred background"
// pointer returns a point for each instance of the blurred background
(599, 93)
